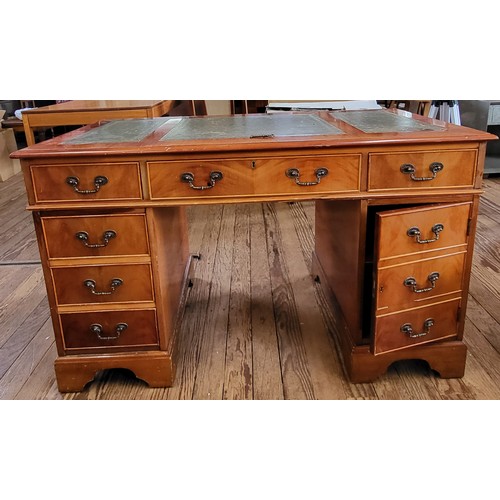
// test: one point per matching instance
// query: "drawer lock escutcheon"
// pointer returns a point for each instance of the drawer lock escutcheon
(412, 283)
(99, 181)
(414, 232)
(98, 330)
(83, 236)
(294, 173)
(113, 285)
(409, 169)
(407, 329)
(214, 177)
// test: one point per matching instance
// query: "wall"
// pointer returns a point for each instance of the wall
(218, 107)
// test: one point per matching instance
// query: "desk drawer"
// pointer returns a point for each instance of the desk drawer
(415, 327)
(418, 283)
(110, 330)
(103, 284)
(421, 170)
(407, 232)
(95, 235)
(82, 183)
(307, 174)
(200, 179)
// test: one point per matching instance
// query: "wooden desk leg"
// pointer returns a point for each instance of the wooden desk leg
(28, 131)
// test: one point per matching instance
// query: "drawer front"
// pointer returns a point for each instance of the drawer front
(103, 284)
(86, 183)
(415, 327)
(95, 235)
(200, 179)
(125, 330)
(421, 170)
(421, 230)
(418, 283)
(300, 175)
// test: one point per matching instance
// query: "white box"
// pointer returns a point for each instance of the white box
(281, 106)
(8, 166)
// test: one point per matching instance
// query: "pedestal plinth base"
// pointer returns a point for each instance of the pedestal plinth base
(446, 358)
(74, 372)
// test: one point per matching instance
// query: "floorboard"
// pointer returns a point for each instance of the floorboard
(266, 362)
(211, 352)
(18, 240)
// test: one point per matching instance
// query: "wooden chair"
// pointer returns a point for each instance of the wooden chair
(244, 107)
(418, 107)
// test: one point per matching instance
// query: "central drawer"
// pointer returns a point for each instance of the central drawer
(103, 284)
(260, 177)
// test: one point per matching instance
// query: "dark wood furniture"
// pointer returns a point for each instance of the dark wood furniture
(14, 123)
(246, 107)
(396, 206)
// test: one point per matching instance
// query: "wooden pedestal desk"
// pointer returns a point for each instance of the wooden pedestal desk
(396, 200)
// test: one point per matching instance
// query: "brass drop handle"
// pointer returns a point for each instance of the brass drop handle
(407, 329)
(412, 283)
(414, 232)
(294, 173)
(114, 284)
(83, 236)
(214, 177)
(98, 330)
(74, 181)
(409, 169)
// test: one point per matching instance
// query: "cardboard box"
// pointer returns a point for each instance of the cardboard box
(8, 166)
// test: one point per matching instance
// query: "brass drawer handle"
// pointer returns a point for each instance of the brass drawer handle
(412, 283)
(214, 177)
(414, 232)
(99, 181)
(99, 331)
(294, 173)
(114, 284)
(409, 169)
(407, 329)
(83, 236)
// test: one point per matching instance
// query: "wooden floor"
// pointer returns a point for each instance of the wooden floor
(255, 325)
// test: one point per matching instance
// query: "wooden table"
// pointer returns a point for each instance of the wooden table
(86, 112)
(396, 198)
(14, 123)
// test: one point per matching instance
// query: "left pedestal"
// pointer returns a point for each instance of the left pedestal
(115, 282)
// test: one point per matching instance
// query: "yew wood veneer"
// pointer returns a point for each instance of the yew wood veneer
(396, 200)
